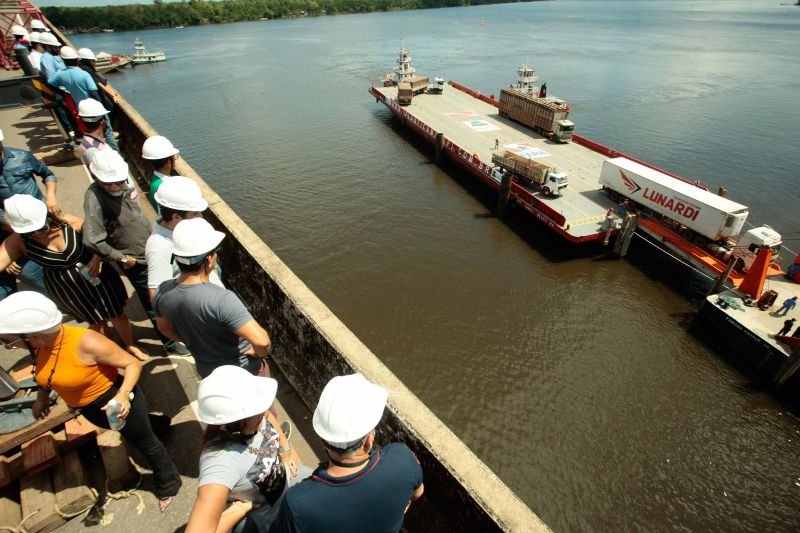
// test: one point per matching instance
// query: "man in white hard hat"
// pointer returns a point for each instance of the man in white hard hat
(95, 137)
(17, 169)
(361, 487)
(77, 82)
(212, 321)
(36, 50)
(20, 37)
(22, 49)
(51, 61)
(179, 198)
(39, 26)
(116, 229)
(163, 155)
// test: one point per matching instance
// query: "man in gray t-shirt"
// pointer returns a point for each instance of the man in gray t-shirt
(212, 321)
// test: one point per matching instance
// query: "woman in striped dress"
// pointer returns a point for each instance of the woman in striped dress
(74, 276)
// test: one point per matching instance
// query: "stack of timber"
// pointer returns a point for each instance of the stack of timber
(43, 482)
(534, 112)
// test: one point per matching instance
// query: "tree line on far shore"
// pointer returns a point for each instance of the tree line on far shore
(161, 14)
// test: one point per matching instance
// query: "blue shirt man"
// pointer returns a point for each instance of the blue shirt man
(17, 168)
(50, 64)
(76, 81)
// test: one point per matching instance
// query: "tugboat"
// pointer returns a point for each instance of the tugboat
(402, 72)
(141, 55)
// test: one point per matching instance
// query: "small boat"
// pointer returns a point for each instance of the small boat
(141, 55)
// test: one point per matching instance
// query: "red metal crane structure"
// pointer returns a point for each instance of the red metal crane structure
(14, 12)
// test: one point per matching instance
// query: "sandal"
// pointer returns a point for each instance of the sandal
(163, 503)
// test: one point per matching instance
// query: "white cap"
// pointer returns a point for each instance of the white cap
(24, 213)
(89, 108)
(348, 409)
(181, 193)
(18, 30)
(158, 147)
(34, 37)
(193, 240)
(67, 52)
(231, 393)
(49, 39)
(108, 166)
(28, 312)
(86, 53)
(1, 136)
(37, 24)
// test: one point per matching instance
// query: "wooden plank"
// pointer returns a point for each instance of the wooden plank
(38, 503)
(59, 414)
(10, 509)
(11, 468)
(71, 485)
(120, 473)
(40, 453)
(79, 430)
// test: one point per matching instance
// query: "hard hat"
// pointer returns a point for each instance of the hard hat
(194, 239)
(28, 312)
(67, 52)
(89, 108)
(158, 147)
(37, 24)
(181, 193)
(108, 166)
(18, 30)
(49, 39)
(86, 53)
(34, 37)
(24, 213)
(231, 393)
(1, 136)
(348, 409)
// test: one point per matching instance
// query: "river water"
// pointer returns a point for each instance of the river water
(572, 376)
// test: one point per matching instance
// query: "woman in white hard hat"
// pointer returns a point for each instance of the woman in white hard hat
(246, 462)
(74, 276)
(82, 367)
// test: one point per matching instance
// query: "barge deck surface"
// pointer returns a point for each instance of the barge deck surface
(583, 204)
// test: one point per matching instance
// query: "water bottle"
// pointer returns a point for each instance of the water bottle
(93, 280)
(112, 412)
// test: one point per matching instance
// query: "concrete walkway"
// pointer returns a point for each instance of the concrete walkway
(170, 382)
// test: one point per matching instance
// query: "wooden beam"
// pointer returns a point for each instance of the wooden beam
(38, 503)
(10, 509)
(40, 453)
(120, 472)
(71, 486)
(79, 430)
(10, 468)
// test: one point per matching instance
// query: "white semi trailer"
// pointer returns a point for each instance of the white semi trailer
(705, 213)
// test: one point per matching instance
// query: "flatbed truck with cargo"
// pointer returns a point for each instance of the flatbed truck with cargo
(530, 171)
(547, 116)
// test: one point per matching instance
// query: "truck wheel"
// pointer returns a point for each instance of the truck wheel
(547, 191)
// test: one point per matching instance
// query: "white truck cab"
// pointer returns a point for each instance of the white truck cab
(751, 241)
(555, 183)
(564, 131)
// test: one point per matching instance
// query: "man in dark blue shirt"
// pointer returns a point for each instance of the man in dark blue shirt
(360, 488)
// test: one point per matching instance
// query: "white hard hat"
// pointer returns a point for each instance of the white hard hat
(231, 393)
(37, 24)
(108, 166)
(24, 213)
(181, 193)
(348, 409)
(158, 147)
(67, 52)
(49, 39)
(1, 136)
(34, 37)
(89, 108)
(86, 53)
(28, 312)
(194, 239)
(18, 30)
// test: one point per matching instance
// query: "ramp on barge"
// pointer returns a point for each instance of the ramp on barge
(473, 125)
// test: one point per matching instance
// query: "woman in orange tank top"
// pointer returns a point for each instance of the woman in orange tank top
(82, 367)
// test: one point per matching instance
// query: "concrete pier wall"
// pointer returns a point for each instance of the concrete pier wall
(311, 346)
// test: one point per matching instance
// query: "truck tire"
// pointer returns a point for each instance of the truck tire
(546, 191)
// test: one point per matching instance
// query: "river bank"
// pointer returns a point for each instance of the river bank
(201, 12)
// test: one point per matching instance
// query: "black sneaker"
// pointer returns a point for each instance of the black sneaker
(286, 427)
(177, 348)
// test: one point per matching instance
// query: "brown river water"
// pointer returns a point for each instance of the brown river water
(571, 375)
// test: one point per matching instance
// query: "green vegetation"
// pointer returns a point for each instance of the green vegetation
(194, 12)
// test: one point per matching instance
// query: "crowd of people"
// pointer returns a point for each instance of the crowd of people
(251, 478)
